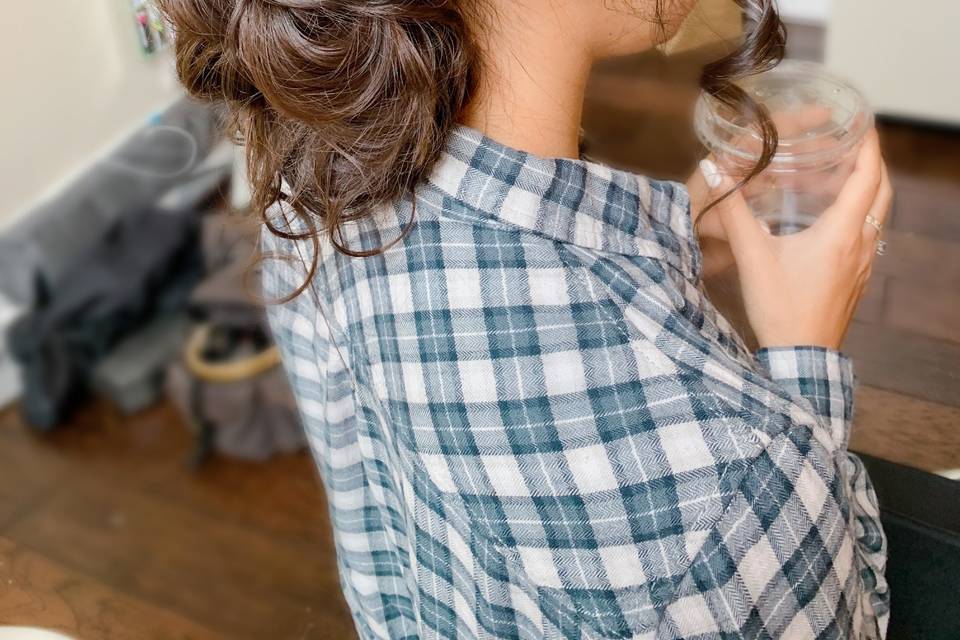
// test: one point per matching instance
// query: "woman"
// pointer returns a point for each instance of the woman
(529, 419)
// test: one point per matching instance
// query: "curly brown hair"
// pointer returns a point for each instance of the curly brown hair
(762, 48)
(348, 103)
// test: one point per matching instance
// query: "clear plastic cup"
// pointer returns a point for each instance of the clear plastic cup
(821, 120)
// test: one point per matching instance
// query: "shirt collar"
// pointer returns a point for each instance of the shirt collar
(573, 201)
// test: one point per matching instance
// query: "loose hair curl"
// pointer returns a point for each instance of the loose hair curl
(762, 48)
(344, 105)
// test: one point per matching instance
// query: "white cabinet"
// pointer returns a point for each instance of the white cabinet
(904, 55)
(805, 11)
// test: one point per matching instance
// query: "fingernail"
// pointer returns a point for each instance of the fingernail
(711, 173)
(766, 227)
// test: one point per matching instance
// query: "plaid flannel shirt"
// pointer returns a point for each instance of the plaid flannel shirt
(531, 422)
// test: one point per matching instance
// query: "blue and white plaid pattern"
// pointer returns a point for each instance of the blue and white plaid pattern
(531, 423)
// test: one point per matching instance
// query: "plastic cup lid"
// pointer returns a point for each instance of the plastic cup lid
(819, 116)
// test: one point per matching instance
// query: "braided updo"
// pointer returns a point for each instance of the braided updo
(348, 103)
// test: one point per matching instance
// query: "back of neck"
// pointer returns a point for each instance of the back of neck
(532, 88)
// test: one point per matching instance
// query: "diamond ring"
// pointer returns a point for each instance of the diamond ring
(873, 222)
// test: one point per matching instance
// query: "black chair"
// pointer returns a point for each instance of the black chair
(921, 516)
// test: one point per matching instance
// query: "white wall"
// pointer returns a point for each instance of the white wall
(807, 11)
(74, 84)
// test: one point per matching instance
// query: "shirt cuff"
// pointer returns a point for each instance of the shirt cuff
(823, 377)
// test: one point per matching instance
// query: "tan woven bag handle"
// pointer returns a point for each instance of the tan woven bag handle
(226, 372)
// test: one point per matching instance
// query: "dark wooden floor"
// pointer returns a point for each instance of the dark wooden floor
(106, 533)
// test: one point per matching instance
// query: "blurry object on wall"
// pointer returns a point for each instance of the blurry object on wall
(152, 29)
(230, 385)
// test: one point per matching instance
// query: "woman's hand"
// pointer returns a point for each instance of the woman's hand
(803, 289)
(711, 235)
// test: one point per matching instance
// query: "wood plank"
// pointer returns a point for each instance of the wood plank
(38, 592)
(278, 503)
(926, 206)
(904, 362)
(916, 257)
(98, 443)
(923, 309)
(228, 578)
(151, 451)
(646, 96)
(917, 433)
(282, 496)
(874, 300)
(23, 484)
(931, 153)
(638, 111)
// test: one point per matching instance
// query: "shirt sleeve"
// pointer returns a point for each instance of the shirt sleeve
(798, 551)
(823, 377)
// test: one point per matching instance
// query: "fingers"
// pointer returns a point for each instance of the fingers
(701, 195)
(711, 174)
(849, 211)
(880, 210)
(699, 192)
(748, 239)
